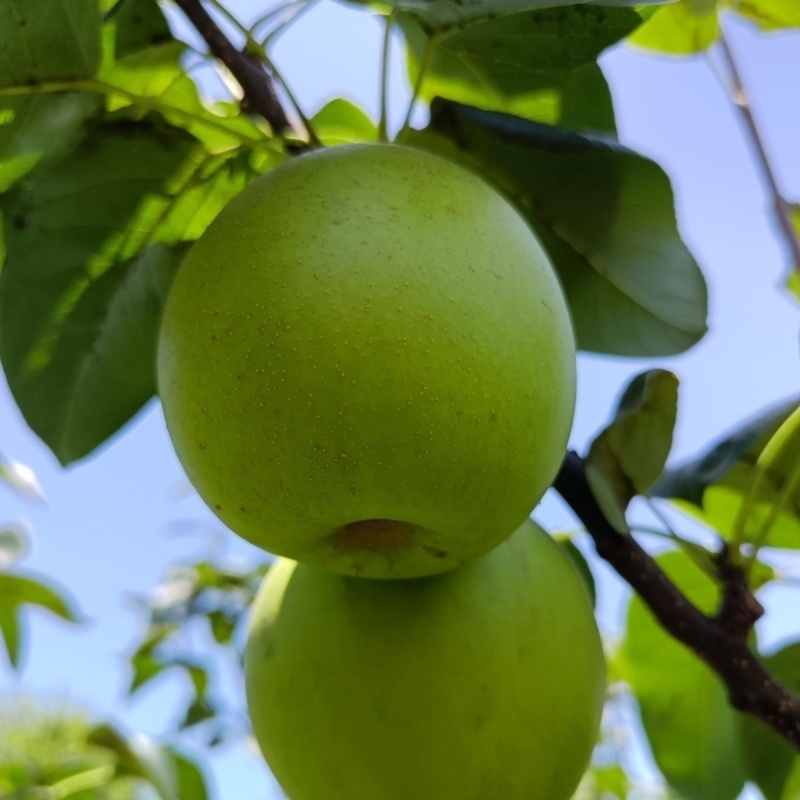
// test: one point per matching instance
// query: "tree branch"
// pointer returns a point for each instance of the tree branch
(259, 93)
(720, 641)
(783, 209)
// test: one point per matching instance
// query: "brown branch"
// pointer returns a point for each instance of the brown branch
(720, 641)
(259, 93)
(783, 209)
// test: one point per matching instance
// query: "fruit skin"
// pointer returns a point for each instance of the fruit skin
(486, 682)
(366, 363)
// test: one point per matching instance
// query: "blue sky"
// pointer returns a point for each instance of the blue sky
(110, 526)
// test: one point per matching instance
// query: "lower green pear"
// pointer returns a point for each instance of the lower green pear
(485, 683)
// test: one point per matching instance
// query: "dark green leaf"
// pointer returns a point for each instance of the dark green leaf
(629, 455)
(222, 627)
(189, 778)
(199, 711)
(37, 128)
(139, 24)
(442, 16)
(17, 589)
(48, 40)
(145, 666)
(580, 563)
(684, 708)
(80, 299)
(605, 215)
(769, 761)
(10, 632)
(683, 28)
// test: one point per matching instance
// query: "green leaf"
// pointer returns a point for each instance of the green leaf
(198, 711)
(793, 281)
(222, 627)
(15, 543)
(145, 666)
(17, 589)
(139, 24)
(769, 15)
(605, 215)
(575, 98)
(684, 708)
(48, 40)
(38, 128)
(155, 78)
(10, 633)
(81, 293)
(689, 481)
(768, 760)
(748, 486)
(169, 772)
(440, 16)
(506, 56)
(21, 479)
(580, 564)
(341, 122)
(629, 455)
(684, 28)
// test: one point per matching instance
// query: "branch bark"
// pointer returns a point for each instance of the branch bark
(783, 209)
(720, 641)
(259, 92)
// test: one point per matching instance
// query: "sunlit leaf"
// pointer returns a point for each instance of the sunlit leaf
(769, 15)
(155, 78)
(340, 122)
(170, 773)
(748, 485)
(513, 63)
(683, 28)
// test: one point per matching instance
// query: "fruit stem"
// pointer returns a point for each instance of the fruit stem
(427, 58)
(387, 42)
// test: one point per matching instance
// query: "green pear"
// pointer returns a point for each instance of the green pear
(485, 683)
(366, 363)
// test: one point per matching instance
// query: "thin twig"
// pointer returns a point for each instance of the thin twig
(783, 209)
(721, 641)
(259, 93)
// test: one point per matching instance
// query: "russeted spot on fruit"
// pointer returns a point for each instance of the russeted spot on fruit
(369, 333)
(485, 682)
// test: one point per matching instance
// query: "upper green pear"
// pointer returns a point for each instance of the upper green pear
(366, 363)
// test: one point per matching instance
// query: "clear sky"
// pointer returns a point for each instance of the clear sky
(110, 527)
